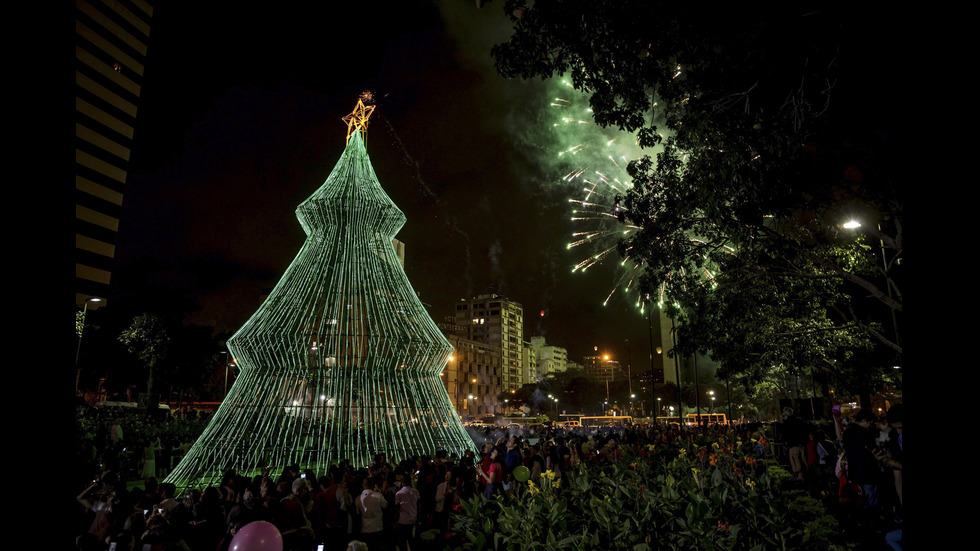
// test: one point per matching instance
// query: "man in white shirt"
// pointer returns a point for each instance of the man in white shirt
(370, 505)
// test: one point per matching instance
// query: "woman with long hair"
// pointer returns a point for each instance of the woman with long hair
(493, 476)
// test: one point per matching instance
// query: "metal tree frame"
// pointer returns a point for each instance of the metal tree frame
(341, 361)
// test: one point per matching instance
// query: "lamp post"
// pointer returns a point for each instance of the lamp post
(227, 365)
(552, 397)
(855, 224)
(629, 372)
(728, 398)
(697, 390)
(653, 375)
(677, 370)
(81, 332)
(455, 380)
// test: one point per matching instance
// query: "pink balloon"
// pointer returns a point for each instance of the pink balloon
(257, 536)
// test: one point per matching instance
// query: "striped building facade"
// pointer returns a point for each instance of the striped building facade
(110, 51)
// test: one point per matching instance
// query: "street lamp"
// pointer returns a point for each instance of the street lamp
(854, 224)
(81, 332)
(653, 377)
(629, 371)
(455, 373)
(227, 365)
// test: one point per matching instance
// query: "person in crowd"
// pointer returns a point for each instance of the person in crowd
(150, 448)
(445, 500)
(795, 433)
(536, 463)
(370, 505)
(862, 465)
(407, 502)
(294, 524)
(330, 506)
(249, 510)
(493, 475)
(512, 460)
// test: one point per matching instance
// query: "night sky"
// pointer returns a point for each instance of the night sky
(241, 120)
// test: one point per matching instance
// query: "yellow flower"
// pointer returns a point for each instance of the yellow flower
(695, 471)
(683, 452)
(749, 482)
(557, 484)
(550, 475)
(715, 445)
(650, 447)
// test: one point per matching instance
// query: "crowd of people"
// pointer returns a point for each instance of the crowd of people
(854, 466)
(407, 504)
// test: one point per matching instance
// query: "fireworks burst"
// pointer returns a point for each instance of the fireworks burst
(599, 180)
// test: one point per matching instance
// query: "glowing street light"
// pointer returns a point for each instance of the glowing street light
(81, 331)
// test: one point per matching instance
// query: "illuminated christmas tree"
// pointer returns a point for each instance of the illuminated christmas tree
(341, 360)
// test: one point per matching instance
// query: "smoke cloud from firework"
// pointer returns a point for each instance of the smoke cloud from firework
(444, 210)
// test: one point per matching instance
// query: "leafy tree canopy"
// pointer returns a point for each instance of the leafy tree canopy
(146, 338)
(772, 132)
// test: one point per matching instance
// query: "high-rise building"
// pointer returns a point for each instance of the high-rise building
(551, 359)
(499, 322)
(529, 364)
(472, 377)
(602, 369)
(110, 51)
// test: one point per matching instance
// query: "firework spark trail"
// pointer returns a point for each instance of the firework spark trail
(446, 213)
(601, 155)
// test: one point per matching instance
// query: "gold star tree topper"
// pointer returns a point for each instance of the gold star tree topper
(358, 119)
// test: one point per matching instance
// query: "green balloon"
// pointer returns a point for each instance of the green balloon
(522, 474)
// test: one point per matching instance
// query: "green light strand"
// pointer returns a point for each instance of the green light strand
(341, 360)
